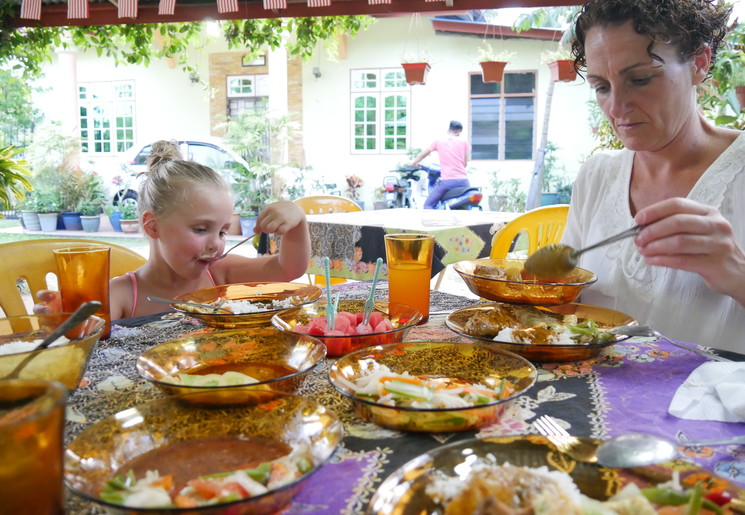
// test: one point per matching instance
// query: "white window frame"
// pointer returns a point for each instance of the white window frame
(260, 85)
(382, 84)
(112, 102)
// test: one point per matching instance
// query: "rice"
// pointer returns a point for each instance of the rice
(19, 346)
(240, 307)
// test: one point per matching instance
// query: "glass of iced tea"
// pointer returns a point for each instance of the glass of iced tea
(32, 421)
(409, 257)
(83, 275)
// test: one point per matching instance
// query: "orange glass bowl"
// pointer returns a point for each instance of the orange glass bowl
(522, 292)
(261, 352)
(255, 292)
(100, 450)
(64, 363)
(456, 321)
(473, 363)
(402, 317)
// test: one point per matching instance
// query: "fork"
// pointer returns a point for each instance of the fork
(576, 448)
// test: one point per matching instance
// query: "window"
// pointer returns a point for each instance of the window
(381, 101)
(503, 117)
(107, 112)
(247, 92)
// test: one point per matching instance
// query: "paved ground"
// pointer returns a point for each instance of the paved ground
(451, 283)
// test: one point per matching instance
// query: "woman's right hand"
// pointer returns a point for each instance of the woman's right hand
(49, 302)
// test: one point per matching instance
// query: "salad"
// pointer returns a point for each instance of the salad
(158, 491)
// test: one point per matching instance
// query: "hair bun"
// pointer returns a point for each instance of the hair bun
(162, 151)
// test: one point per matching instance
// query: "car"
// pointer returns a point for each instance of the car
(212, 153)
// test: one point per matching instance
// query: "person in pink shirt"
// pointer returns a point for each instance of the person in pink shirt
(453, 153)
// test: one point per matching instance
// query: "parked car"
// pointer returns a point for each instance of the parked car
(212, 153)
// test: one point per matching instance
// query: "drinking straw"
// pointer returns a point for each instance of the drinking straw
(330, 307)
(370, 302)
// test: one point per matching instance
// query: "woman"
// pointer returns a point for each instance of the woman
(679, 176)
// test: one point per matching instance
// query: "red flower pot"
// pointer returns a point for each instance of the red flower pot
(562, 71)
(416, 73)
(492, 71)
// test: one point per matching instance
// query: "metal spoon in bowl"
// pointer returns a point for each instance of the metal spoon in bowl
(195, 304)
(81, 314)
(557, 260)
(645, 330)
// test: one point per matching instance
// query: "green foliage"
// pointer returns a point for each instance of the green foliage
(129, 211)
(509, 195)
(17, 114)
(14, 175)
(92, 194)
(601, 129)
(48, 201)
(554, 175)
(31, 47)
(717, 97)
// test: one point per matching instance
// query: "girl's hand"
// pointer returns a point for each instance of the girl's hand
(50, 302)
(687, 235)
(279, 218)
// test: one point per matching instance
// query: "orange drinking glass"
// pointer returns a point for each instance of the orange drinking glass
(409, 257)
(83, 275)
(32, 421)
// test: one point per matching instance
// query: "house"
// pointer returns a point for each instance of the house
(354, 112)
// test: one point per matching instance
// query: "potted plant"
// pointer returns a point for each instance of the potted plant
(129, 221)
(90, 215)
(29, 207)
(416, 68)
(493, 62)
(561, 64)
(48, 205)
(555, 187)
(354, 183)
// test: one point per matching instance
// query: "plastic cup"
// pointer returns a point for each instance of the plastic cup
(409, 257)
(83, 275)
(32, 421)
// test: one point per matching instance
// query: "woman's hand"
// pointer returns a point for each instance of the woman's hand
(687, 235)
(50, 302)
(279, 218)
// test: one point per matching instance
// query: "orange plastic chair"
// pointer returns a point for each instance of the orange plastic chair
(542, 226)
(32, 260)
(326, 204)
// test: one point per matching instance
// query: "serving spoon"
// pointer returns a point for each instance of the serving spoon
(557, 260)
(79, 315)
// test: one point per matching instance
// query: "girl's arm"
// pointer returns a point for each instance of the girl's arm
(286, 219)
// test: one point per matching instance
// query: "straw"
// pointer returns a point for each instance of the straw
(370, 302)
(330, 307)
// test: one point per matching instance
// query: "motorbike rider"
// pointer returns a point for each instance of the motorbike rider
(453, 153)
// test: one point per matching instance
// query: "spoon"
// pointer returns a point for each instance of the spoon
(81, 314)
(217, 258)
(645, 330)
(195, 304)
(557, 260)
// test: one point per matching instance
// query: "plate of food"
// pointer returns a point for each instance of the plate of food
(569, 332)
(506, 280)
(247, 304)
(432, 386)
(526, 474)
(168, 456)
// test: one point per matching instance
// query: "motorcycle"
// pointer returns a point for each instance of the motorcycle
(464, 197)
(398, 190)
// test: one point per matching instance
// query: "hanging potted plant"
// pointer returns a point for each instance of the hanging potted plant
(416, 68)
(561, 64)
(493, 62)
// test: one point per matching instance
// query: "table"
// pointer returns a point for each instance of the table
(627, 388)
(354, 241)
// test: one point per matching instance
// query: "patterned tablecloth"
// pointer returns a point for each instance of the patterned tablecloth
(627, 388)
(354, 241)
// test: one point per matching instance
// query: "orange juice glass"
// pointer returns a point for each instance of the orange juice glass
(32, 421)
(409, 257)
(83, 275)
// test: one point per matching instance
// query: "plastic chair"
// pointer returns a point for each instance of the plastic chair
(326, 204)
(543, 226)
(32, 260)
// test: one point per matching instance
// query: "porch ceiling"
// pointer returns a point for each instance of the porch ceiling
(105, 12)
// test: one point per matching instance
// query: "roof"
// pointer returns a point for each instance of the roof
(106, 12)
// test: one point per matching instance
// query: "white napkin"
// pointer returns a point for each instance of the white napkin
(714, 391)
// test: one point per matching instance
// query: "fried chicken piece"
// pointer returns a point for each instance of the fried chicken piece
(489, 323)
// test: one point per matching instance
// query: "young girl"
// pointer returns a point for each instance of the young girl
(185, 210)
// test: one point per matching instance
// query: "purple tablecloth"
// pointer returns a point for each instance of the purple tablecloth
(627, 388)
